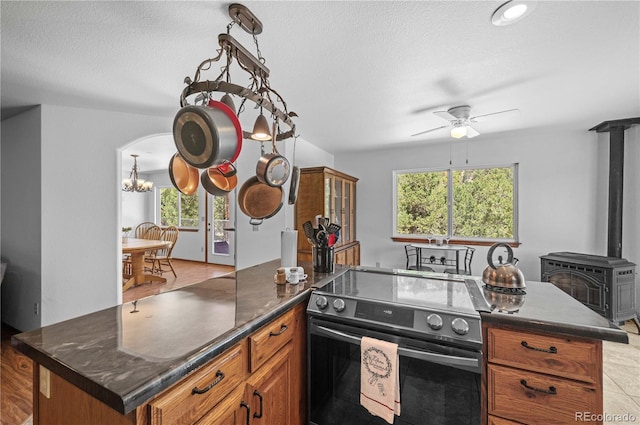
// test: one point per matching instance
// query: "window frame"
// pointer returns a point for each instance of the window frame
(158, 192)
(450, 170)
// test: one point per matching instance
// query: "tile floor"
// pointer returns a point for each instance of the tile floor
(621, 379)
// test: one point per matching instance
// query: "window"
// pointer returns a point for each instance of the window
(177, 209)
(457, 203)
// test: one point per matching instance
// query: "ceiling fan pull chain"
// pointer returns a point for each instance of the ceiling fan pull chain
(467, 155)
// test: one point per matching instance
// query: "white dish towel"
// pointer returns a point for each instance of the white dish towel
(379, 378)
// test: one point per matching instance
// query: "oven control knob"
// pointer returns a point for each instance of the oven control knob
(322, 302)
(339, 305)
(460, 326)
(434, 321)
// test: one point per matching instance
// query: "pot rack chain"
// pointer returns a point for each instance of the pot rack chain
(259, 90)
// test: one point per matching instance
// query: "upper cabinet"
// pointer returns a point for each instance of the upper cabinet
(329, 193)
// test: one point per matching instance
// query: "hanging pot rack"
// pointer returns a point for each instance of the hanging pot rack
(259, 91)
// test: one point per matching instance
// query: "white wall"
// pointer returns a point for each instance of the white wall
(21, 222)
(558, 192)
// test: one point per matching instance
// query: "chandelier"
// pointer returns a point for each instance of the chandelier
(133, 183)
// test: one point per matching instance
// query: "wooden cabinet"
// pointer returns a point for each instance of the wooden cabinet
(269, 390)
(329, 193)
(261, 380)
(534, 378)
(187, 400)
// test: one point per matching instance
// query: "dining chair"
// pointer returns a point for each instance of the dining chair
(412, 259)
(163, 256)
(153, 232)
(142, 228)
(468, 257)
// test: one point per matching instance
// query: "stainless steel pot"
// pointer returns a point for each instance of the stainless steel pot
(207, 136)
(504, 275)
(272, 168)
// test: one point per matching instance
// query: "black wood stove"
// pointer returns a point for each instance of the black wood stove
(604, 284)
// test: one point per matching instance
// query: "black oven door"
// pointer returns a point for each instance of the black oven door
(439, 384)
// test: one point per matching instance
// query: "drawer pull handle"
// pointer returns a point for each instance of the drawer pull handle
(551, 350)
(258, 415)
(219, 377)
(551, 390)
(283, 328)
(246, 406)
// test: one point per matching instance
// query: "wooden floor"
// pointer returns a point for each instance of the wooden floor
(16, 406)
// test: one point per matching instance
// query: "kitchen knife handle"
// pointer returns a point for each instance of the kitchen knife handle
(550, 391)
(550, 350)
(219, 377)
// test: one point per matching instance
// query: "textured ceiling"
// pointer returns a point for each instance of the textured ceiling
(360, 74)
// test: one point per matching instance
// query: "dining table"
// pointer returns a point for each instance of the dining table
(136, 248)
(440, 248)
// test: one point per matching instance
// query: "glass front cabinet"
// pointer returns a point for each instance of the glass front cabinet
(329, 193)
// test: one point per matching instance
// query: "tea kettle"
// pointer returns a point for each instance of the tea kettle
(505, 277)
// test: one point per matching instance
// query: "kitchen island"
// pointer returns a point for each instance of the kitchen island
(123, 357)
(542, 358)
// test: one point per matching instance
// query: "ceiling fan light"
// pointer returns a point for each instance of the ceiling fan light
(458, 131)
(261, 130)
(512, 11)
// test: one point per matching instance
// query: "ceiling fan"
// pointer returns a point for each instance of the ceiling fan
(460, 121)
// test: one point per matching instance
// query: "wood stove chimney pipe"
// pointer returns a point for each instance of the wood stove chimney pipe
(616, 129)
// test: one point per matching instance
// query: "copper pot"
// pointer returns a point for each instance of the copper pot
(259, 200)
(183, 176)
(219, 181)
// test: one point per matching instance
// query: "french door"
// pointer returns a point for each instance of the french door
(221, 229)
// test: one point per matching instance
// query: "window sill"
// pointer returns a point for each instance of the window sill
(471, 242)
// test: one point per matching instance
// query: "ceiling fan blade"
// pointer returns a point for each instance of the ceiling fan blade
(445, 115)
(428, 131)
(492, 113)
(472, 132)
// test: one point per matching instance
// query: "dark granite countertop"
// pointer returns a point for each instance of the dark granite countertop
(126, 354)
(547, 308)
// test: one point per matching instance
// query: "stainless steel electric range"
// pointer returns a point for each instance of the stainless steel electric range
(433, 317)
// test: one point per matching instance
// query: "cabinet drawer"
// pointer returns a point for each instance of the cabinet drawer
(547, 354)
(180, 404)
(518, 395)
(269, 339)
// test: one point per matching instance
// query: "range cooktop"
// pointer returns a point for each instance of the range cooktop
(421, 304)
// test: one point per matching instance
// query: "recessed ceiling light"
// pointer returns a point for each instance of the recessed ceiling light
(512, 11)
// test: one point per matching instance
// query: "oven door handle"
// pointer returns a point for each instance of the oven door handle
(406, 352)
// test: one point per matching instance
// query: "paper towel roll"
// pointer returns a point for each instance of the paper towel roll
(289, 248)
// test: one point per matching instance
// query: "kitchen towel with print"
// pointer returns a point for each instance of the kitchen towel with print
(379, 378)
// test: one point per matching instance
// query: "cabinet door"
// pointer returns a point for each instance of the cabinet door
(269, 390)
(229, 411)
(347, 212)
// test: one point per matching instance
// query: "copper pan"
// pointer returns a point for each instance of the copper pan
(259, 200)
(183, 176)
(217, 183)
